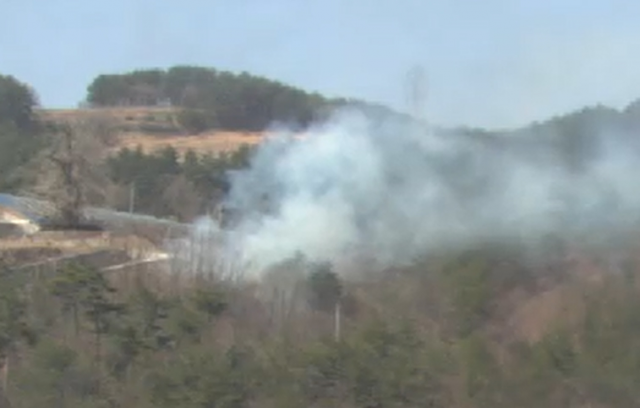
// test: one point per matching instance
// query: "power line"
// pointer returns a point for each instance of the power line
(416, 92)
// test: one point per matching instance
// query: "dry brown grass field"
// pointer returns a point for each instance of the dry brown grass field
(208, 142)
(130, 119)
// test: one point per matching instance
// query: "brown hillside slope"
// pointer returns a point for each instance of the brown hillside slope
(154, 128)
(208, 142)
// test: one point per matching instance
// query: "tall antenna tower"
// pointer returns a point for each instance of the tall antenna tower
(416, 93)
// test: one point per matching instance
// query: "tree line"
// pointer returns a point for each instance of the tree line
(210, 98)
(164, 184)
(21, 134)
(76, 336)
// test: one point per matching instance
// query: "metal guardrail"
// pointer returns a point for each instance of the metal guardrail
(37, 211)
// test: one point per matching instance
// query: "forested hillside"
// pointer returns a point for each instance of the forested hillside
(485, 325)
(199, 178)
(209, 98)
(181, 101)
(21, 134)
(485, 328)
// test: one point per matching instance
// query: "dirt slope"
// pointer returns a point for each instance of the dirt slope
(156, 128)
(210, 142)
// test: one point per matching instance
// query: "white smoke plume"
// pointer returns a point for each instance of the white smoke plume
(389, 191)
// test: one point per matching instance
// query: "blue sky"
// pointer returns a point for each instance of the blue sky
(491, 63)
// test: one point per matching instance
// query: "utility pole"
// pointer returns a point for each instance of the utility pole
(416, 92)
(337, 320)
(132, 197)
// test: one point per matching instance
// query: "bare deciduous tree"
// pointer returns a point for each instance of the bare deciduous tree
(183, 198)
(72, 173)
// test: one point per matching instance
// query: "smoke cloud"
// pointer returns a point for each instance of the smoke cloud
(389, 191)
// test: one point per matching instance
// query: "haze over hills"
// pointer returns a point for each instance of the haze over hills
(196, 236)
(477, 267)
(186, 109)
(203, 103)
